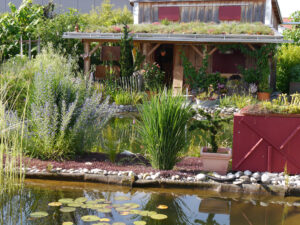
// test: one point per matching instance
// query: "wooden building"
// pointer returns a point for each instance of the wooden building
(195, 46)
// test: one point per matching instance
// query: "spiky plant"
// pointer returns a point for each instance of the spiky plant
(163, 129)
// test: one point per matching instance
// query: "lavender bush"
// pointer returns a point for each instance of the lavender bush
(66, 116)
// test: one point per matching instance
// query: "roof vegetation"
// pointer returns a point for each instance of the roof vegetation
(189, 28)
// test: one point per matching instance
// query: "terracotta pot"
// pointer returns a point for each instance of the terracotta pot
(215, 162)
(263, 96)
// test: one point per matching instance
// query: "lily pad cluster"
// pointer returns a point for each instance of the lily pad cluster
(68, 205)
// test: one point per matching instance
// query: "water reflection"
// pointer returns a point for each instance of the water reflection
(184, 207)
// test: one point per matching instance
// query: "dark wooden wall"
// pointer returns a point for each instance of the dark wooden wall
(253, 11)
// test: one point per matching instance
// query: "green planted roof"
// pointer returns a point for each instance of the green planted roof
(190, 28)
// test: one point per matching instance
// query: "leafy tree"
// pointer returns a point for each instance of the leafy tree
(294, 33)
(20, 22)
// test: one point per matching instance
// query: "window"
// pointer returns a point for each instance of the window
(228, 62)
(169, 13)
(230, 13)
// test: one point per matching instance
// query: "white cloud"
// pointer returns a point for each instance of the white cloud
(287, 7)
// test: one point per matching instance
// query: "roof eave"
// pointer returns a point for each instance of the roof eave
(180, 38)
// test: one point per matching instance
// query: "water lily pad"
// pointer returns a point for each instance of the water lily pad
(132, 205)
(162, 207)
(67, 209)
(67, 223)
(55, 204)
(116, 205)
(90, 218)
(139, 222)
(100, 200)
(75, 204)
(159, 216)
(104, 210)
(66, 200)
(91, 202)
(144, 213)
(84, 206)
(119, 223)
(38, 214)
(100, 224)
(122, 198)
(80, 200)
(124, 213)
(104, 220)
(152, 213)
(121, 209)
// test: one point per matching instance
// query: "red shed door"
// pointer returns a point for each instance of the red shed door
(230, 13)
(169, 13)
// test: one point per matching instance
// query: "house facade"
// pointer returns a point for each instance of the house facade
(196, 46)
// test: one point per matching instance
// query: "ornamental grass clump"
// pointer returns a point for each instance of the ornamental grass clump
(163, 129)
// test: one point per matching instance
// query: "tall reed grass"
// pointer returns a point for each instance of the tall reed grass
(163, 130)
(11, 173)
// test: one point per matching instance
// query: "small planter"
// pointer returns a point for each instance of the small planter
(216, 162)
(263, 96)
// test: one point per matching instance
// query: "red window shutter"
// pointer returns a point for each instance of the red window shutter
(169, 13)
(230, 13)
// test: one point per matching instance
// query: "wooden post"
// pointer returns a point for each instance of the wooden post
(29, 48)
(21, 47)
(87, 59)
(39, 45)
(177, 71)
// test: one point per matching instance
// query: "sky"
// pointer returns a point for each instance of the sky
(287, 7)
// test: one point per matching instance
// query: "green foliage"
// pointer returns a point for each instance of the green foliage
(212, 123)
(280, 105)
(65, 114)
(123, 98)
(288, 58)
(163, 129)
(200, 79)
(153, 77)
(295, 73)
(238, 101)
(107, 16)
(51, 31)
(294, 33)
(20, 22)
(126, 59)
(167, 27)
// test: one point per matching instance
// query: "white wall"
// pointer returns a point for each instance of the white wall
(83, 6)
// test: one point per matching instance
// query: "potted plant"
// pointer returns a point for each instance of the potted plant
(214, 158)
(153, 78)
(263, 93)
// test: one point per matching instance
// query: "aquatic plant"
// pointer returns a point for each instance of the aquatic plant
(163, 129)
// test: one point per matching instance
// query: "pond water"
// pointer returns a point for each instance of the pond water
(184, 206)
(121, 134)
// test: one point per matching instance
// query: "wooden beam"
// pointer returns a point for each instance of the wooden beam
(153, 49)
(212, 51)
(251, 47)
(197, 51)
(95, 49)
(177, 71)
(87, 59)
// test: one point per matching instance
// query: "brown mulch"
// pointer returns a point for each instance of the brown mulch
(138, 164)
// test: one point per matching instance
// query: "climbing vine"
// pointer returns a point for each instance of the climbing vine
(259, 74)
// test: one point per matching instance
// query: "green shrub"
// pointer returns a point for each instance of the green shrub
(288, 58)
(163, 129)
(153, 77)
(123, 98)
(238, 101)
